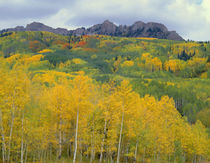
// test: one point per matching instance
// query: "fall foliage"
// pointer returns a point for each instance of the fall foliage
(103, 99)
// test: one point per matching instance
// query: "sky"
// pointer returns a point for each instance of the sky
(190, 18)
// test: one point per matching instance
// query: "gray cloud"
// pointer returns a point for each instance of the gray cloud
(188, 17)
(11, 13)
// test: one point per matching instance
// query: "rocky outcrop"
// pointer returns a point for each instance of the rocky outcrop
(36, 26)
(106, 28)
(138, 29)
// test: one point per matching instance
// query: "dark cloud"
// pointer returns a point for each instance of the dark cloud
(55, 3)
(32, 8)
(10, 13)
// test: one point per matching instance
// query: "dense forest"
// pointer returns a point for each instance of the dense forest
(103, 99)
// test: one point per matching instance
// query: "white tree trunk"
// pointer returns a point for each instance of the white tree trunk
(126, 159)
(26, 153)
(60, 139)
(102, 145)
(135, 155)
(22, 145)
(11, 131)
(120, 138)
(75, 145)
(91, 154)
(144, 154)
(3, 138)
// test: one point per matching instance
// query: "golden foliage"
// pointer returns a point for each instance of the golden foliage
(174, 65)
(46, 51)
(149, 63)
(127, 64)
(109, 117)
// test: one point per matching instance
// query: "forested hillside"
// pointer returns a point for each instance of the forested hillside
(101, 99)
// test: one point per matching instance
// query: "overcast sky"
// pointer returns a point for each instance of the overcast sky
(190, 18)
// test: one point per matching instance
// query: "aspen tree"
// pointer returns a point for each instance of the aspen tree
(79, 100)
(127, 98)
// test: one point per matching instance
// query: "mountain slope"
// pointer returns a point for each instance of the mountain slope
(156, 67)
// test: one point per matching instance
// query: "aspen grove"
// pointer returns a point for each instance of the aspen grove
(52, 116)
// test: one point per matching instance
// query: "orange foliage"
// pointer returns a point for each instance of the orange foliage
(86, 36)
(82, 43)
(59, 42)
(65, 46)
(35, 46)
(91, 36)
(90, 49)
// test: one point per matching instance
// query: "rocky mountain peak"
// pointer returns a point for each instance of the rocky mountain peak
(36, 26)
(106, 28)
(138, 29)
(108, 23)
(154, 25)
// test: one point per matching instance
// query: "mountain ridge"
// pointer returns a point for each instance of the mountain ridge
(138, 29)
